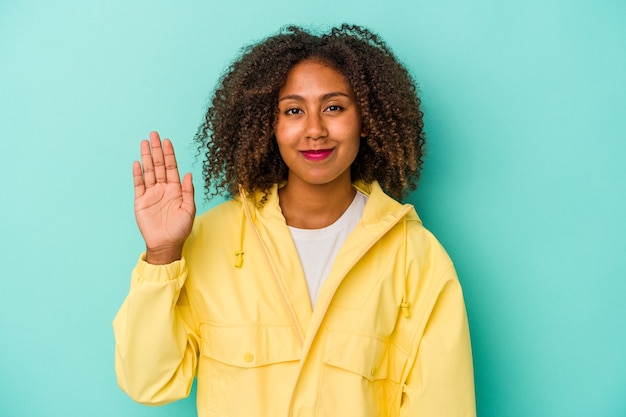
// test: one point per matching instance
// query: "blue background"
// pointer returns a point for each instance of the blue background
(525, 180)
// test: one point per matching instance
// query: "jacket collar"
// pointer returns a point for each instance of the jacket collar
(380, 207)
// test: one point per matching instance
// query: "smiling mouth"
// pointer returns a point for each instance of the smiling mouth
(316, 154)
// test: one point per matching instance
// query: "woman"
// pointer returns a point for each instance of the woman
(311, 292)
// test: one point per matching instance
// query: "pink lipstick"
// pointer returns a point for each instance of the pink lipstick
(316, 154)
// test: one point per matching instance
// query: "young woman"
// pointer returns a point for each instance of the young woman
(311, 292)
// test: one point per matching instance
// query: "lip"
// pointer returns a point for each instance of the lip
(316, 154)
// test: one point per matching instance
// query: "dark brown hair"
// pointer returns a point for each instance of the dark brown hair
(237, 135)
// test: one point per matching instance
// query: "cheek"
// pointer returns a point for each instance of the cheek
(285, 145)
(355, 150)
(351, 149)
(284, 134)
(354, 133)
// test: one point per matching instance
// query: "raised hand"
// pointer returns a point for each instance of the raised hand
(164, 208)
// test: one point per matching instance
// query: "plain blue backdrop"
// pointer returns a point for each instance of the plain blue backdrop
(524, 183)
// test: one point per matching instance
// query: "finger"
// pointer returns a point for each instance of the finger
(157, 157)
(171, 168)
(187, 188)
(140, 187)
(146, 162)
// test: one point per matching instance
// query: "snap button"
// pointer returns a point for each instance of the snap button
(248, 356)
(373, 371)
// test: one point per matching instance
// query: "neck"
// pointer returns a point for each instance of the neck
(307, 206)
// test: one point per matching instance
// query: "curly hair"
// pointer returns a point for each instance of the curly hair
(237, 135)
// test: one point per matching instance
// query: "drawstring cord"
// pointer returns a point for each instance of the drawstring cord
(239, 253)
(405, 305)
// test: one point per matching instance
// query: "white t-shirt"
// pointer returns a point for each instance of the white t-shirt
(318, 248)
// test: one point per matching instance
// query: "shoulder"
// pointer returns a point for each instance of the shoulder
(422, 243)
(229, 208)
(429, 268)
(219, 219)
(226, 218)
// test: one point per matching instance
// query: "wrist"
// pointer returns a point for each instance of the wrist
(163, 256)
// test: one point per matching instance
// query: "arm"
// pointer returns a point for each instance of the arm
(156, 342)
(156, 339)
(441, 381)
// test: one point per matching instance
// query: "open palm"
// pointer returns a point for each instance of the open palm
(164, 208)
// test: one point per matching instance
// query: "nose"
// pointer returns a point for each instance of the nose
(315, 127)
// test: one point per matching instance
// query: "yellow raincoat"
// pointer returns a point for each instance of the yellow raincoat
(388, 335)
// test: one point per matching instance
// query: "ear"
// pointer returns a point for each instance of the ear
(363, 134)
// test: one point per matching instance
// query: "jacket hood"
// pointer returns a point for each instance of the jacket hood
(381, 213)
(379, 208)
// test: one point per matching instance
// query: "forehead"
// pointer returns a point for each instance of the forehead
(314, 76)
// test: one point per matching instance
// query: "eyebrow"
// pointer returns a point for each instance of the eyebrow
(324, 97)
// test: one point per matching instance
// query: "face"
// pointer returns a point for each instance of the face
(318, 128)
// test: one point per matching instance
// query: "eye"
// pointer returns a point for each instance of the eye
(334, 108)
(293, 111)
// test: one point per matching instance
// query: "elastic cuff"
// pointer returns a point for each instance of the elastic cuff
(145, 271)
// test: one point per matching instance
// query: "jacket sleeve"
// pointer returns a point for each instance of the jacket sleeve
(156, 340)
(441, 381)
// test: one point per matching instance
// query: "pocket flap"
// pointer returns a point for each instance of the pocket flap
(358, 353)
(249, 346)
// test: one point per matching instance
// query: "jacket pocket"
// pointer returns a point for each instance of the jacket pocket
(361, 375)
(255, 362)
(249, 346)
